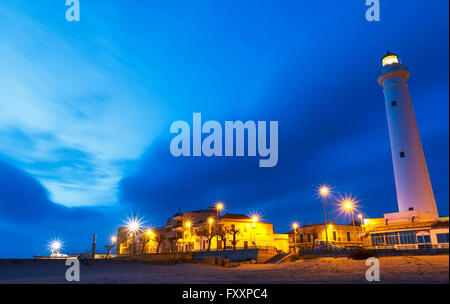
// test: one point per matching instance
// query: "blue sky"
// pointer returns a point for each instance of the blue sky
(85, 109)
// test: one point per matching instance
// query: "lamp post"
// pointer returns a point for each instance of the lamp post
(149, 233)
(324, 192)
(133, 226)
(360, 216)
(348, 205)
(188, 226)
(295, 226)
(219, 206)
(254, 220)
(210, 221)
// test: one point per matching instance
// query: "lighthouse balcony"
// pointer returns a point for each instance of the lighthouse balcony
(391, 67)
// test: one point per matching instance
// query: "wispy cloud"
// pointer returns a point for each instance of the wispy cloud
(69, 118)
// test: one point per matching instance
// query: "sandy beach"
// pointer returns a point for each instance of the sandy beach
(409, 269)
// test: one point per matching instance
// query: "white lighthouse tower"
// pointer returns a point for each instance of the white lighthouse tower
(414, 192)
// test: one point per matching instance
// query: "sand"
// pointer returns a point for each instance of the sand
(410, 269)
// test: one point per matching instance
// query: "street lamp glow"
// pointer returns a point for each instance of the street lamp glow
(134, 224)
(348, 205)
(113, 239)
(330, 227)
(149, 232)
(188, 224)
(210, 220)
(295, 225)
(219, 206)
(55, 245)
(324, 191)
(254, 218)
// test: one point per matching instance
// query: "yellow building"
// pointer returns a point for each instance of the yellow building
(201, 231)
(311, 236)
(397, 231)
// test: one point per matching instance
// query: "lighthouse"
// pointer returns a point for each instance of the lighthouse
(414, 192)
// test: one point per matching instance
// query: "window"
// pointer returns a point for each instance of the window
(407, 237)
(378, 239)
(334, 236)
(309, 237)
(411, 208)
(301, 238)
(402, 154)
(442, 238)
(348, 236)
(393, 103)
(427, 239)
(391, 238)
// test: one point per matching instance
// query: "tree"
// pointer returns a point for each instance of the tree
(159, 239)
(143, 240)
(220, 231)
(109, 248)
(234, 233)
(173, 241)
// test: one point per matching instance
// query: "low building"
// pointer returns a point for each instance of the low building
(337, 235)
(203, 230)
(407, 231)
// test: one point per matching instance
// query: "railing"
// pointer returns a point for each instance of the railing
(379, 250)
(236, 248)
(391, 67)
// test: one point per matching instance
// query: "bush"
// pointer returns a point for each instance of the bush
(362, 254)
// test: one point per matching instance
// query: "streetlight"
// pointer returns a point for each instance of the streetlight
(360, 216)
(55, 246)
(295, 226)
(149, 233)
(219, 206)
(188, 226)
(324, 192)
(210, 221)
(254, 220)
(133, 226)
(348, 205)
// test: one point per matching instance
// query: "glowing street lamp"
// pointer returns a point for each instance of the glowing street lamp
(210, 221)
(149, 233)
(348, 204)
(187, 224)
(113, 239)
(324, 191)
(219, 206)
(55, 246)
(254, 220)
(360, 216)
(295, 226)
(134, 225)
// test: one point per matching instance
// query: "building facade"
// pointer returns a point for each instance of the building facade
(407, 233)
(202, 230)
(313, 236)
